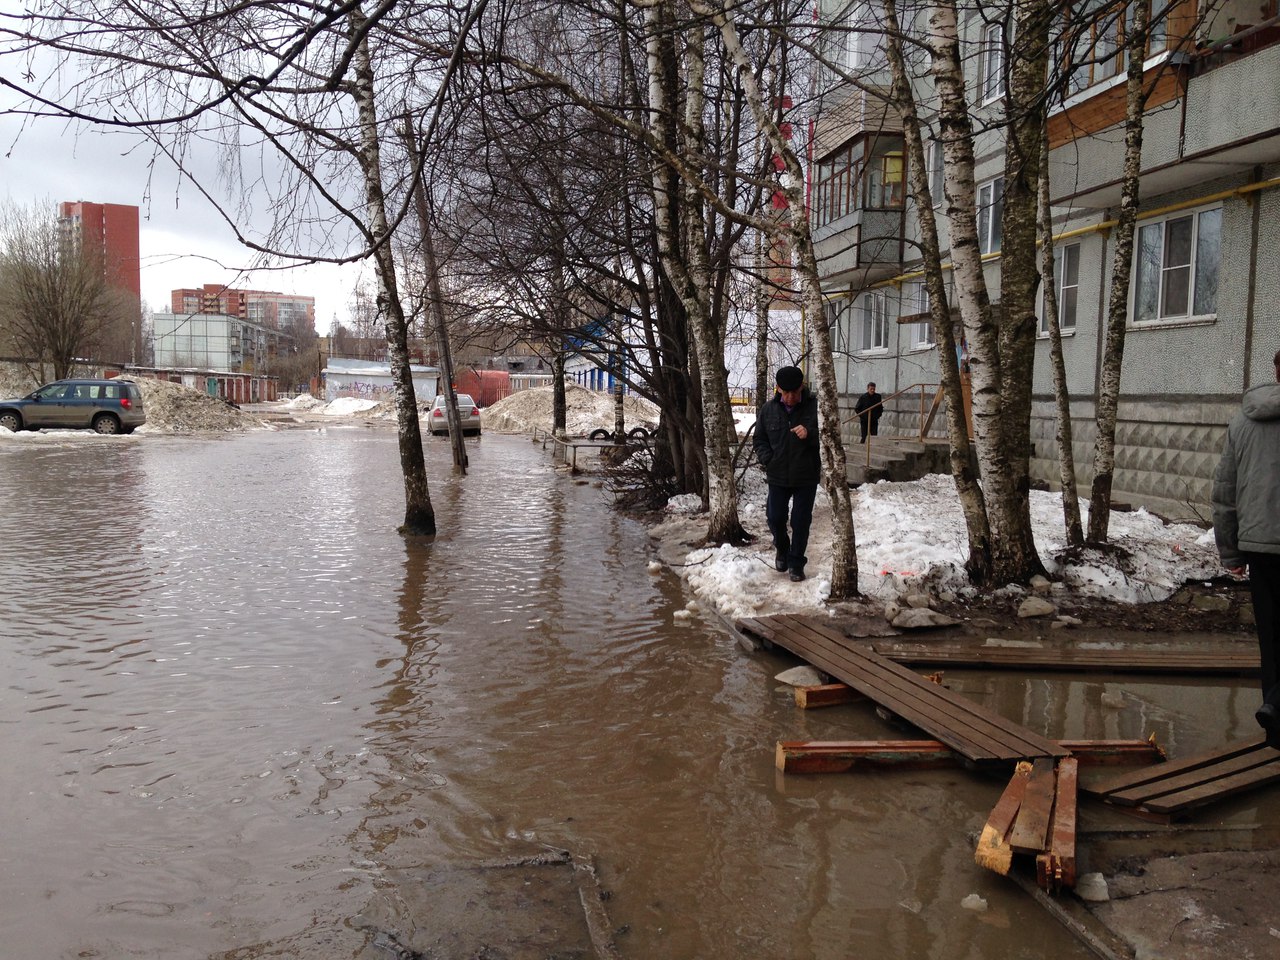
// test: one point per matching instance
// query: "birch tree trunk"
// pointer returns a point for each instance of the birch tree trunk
(419, 516)
(681, 234)
(1104, 446)
(1061, 391)
(1020, 279)
(1002, 444)
(972, 503)
(835, 480)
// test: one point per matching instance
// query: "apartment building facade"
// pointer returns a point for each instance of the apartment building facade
(1203, 316)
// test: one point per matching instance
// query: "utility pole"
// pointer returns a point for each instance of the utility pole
(436, 305)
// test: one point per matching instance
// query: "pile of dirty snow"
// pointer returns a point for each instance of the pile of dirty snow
(304, 401)
(585, 410)
(178, 409)
(345, 406)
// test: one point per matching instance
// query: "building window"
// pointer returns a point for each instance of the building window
(875, 323)
(916, 302)
(990, 212)
(1097, 41)
(885, 181)
(991, 63)
(834, 310)
(1066, 280)
(1176, 266)
(834, 181)
(937, 166)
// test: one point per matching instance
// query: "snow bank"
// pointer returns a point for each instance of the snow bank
(586, 410)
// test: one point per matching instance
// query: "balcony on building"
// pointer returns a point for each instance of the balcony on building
(1196, 127)
(858, 190)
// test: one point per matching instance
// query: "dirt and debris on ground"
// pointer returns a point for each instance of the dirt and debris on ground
(173, 408)
(587, 410)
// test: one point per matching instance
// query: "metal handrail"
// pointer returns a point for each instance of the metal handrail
(889, 396)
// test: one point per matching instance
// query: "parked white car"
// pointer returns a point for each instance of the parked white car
(468, 413)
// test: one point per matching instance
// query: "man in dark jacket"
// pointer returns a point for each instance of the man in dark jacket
(786, 444)
(868, 408)
(1246, 525)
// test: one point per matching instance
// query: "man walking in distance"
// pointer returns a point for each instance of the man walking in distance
(786, 444)
(868, 408)
(1246, 524)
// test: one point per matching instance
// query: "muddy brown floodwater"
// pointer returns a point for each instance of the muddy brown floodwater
(242, 718)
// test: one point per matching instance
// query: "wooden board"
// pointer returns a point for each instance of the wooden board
(976, 733)
(1056, 867)
(993, 851)
(840, 756)
(826, 695)
(1193, 661)
(1175, 788)
(1030, 833)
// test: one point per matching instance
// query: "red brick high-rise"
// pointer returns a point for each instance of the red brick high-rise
(110, 230)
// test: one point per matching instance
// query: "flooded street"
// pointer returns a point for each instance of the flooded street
(238, 707)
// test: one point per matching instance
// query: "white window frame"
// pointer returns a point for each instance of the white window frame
(1166, 273)
(915, 301)
(990, 201)
(873, 333)
(1066, 323)
(836, 312)
(937, 172)
(991, 63)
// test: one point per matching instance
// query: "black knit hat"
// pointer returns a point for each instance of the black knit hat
(790, 378)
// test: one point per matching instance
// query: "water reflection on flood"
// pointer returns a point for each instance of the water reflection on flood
(236, 701)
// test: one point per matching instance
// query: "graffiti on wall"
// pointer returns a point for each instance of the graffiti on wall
(363, 389)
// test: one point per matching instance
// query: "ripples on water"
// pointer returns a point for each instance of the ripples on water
(235, 700)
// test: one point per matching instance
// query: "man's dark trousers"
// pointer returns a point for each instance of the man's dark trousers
(800, 500)
(1264, 584)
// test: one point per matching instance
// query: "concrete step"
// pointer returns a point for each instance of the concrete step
(897, 459)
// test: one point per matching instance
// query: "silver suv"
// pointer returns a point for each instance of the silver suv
(106, 406)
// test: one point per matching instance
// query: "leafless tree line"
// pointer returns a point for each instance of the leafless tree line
(602, 175)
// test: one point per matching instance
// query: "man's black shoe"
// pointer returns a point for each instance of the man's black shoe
(1268, 718)
(780, 561)
(797, 575)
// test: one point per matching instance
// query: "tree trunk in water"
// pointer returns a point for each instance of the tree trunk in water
(422, 207)
(972, 503)
(1061, 394)
(419, 516)
(559, 406)
(1104, 446)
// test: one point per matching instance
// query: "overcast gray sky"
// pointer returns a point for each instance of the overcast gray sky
(184, 241)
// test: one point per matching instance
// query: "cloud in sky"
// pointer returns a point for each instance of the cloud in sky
(185, 242)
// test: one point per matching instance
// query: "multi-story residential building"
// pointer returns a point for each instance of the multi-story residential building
(279, 311)
(214, 341)
(1203, 315)
(109, 231)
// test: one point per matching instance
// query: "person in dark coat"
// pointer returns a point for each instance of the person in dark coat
(1246, 526)
(786, 445)
(868, 408)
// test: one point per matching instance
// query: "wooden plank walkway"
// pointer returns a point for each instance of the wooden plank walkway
(1163, 660)
(968, 728)
(1172, 790)
(841, 756)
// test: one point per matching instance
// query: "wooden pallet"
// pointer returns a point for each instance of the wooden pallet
(1194, 661)
(971, 730)
(1172, 790)
(840, 756)
(1035, 816)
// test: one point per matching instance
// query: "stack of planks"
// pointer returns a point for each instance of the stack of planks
(1035, 816)
(1172, 790)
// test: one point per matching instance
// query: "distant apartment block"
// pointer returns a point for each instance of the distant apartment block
(110, 230)
(214, 341)
(278, 311)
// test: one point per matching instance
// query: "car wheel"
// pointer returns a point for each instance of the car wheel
(11, 420)
(638, 433)
(600, 434)
(106, 423)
